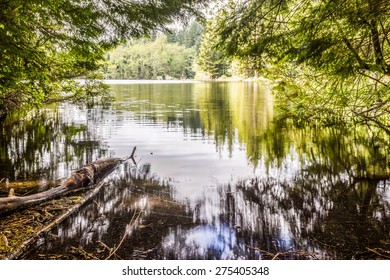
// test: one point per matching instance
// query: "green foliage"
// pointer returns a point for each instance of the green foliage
(211, 60)
(330, 58)
(150, 60)
(189, 36)
(46, 43)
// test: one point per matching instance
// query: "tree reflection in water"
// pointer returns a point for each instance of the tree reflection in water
(274, 189)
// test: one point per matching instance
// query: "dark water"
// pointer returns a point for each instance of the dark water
(236, 183)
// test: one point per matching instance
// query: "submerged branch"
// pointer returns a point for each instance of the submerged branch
(84, 178)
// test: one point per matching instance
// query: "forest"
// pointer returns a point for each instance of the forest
(327, 61)
(195, 129)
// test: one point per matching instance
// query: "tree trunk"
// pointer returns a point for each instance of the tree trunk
(83, 178)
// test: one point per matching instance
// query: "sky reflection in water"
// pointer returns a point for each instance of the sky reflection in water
(241, 184)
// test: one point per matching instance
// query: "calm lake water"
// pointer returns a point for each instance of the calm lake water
(236, 182)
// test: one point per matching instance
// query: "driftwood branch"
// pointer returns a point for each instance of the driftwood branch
(84, 178)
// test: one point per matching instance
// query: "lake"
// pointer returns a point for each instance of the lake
(218, 175)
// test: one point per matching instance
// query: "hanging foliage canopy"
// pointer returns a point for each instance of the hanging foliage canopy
(331, 58)
(46, 43)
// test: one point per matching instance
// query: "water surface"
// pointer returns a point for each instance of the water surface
(236, 182)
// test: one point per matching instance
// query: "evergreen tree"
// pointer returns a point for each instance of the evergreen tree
(211, 60)
(189, 36)
(192, 35)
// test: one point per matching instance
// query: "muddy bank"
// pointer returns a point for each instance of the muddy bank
(20, 230)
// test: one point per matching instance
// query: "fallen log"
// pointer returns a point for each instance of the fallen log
(83, 178)
(25, 186)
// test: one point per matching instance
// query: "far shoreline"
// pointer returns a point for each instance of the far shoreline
(178, 81)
